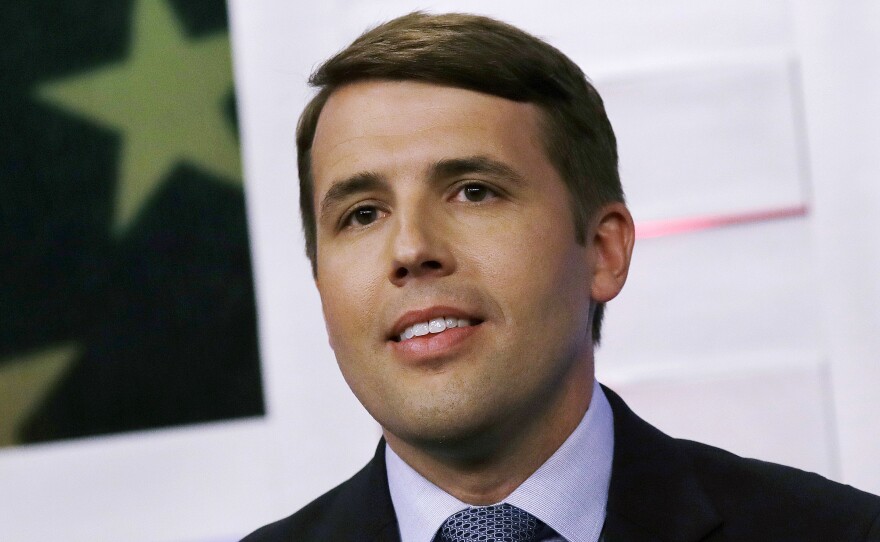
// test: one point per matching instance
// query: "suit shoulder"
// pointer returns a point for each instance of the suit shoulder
(361, 506)
(304, 524)
(769, 497)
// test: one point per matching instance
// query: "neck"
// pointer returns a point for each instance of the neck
(508, 456)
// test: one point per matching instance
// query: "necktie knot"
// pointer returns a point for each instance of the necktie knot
(499, 523)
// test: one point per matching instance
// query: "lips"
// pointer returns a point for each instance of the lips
(430, 321)
(435, 325)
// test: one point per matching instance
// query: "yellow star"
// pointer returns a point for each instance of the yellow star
(166, 99)
(25, 382)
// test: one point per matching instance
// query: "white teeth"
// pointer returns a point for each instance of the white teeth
(435, 325)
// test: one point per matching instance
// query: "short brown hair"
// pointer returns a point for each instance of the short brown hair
(485, 55)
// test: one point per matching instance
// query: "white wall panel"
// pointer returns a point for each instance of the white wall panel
(778, 411)
(840, 46)
(698, 298)
(721, 136)
(153, 486)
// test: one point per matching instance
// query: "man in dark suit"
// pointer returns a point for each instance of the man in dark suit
(466, 224)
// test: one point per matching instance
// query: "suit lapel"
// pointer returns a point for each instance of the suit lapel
(363, 508)
(654, 493)
(377, 511)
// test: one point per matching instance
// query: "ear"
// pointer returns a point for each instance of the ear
(613, 234)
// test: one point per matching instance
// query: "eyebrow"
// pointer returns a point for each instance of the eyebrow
(453, 167)
(364, 181)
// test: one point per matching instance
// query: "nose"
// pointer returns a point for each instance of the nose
(419, 248)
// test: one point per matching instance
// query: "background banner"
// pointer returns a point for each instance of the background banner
(126, 292)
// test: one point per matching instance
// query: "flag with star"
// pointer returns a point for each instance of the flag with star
(126, 293)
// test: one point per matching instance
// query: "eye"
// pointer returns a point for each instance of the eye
(363, 216)
(475, 193)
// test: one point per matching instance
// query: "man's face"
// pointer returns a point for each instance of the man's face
(439, 204)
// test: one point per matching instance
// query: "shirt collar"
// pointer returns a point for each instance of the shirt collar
(569, 492)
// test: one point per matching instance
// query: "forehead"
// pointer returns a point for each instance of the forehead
(375, 125)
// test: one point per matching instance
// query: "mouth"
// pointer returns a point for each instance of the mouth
(429, 322)
(433, 327)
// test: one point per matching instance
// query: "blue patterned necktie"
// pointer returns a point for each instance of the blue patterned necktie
(499, 523)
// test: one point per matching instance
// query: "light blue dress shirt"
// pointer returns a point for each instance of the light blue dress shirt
(569, 492)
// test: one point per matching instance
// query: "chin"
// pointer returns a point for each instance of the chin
(453, 432)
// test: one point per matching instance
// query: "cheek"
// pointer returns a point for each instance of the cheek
(540, 279)
(347, 287)
(352, 331)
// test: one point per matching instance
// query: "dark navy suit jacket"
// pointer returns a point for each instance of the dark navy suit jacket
(662, 490)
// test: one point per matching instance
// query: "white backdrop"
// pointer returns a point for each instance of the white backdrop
(759, 337)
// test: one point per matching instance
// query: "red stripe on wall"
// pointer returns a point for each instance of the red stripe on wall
(661, 228)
